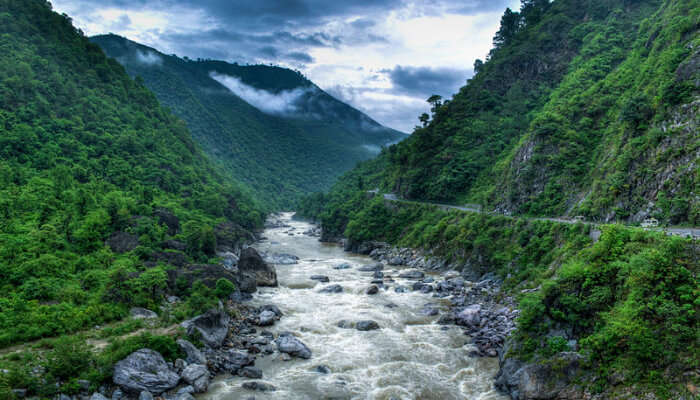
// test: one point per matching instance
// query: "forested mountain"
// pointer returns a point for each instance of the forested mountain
(284, 136)
(582, 108)
(100, 189)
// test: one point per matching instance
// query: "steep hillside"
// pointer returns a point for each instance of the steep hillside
(102, 194)
(582, 108)
(284, 136)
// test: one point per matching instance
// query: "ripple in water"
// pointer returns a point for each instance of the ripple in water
(409, 357)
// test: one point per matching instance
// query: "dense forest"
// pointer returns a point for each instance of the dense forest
(96, 178)
(582, 108)
(298, 148)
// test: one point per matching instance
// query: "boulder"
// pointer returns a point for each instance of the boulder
(412, 274)
(281, 258)
(372, 290)
(259, 386)
(368, 325)
(144, 369)
(323, 369)
(212, 326)
(194, 356)
(142, 313)
(229, 260)
(99, 396)
(273, 308)
(469, 316)
(144, 395)
(320, 278)
(250, 262)
(287, 343)
(122, 242)
(371, 267)
(342, 266)
(230, 361)
(378, 275)
(540, 379)
(251, 372)
(196, 375)
(332, 289)
(396, 261)
(266, 318)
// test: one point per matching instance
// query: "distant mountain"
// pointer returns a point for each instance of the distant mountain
(268, 126)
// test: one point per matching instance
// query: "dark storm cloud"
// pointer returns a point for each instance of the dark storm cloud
(424, 81)
(300, 57)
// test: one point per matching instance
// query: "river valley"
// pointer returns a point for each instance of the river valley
(410, 356)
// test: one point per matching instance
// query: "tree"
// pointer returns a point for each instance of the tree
(532, 10)
(435, 101)
(478, 65)
(511, 22)
(424, 118)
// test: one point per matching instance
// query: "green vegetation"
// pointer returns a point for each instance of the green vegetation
(582, 108)
(280, 156)
(88, 156)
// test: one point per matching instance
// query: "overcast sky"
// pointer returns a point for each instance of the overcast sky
(384, 57)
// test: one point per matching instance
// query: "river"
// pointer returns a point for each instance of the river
(409, 357)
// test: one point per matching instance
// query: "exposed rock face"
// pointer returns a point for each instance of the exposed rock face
(142, 370)
(196, 375)
(122, 242)
(212, 326)
(194, 356)
(287, 343)
(167, 218)
(539, 380)
(251, 263)
(230, 237)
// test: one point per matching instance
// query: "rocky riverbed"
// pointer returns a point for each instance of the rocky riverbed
(387, 324)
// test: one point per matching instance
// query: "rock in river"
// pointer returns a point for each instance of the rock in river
(368, 325)
(320, 278)
(144, 369)
(372, 290)
(371, 267)
(412, 274)
(259, 386)
(287, 343)
(331, 289)
(342, 266)
(266, 318)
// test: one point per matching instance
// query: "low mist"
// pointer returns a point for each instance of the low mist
(285, 102)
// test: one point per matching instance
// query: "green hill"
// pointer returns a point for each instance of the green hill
(95, 176)
(297, 141)
(582, 108)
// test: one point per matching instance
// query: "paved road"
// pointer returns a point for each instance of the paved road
(685, 232)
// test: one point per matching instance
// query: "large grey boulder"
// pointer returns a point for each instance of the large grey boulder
(287, 343)
(332, 289)
(194, 356)
(251, 263)
(98, 396)
(229, 361)
(142, 313)
(539, 379)
(469, 316)
(266, 318)
(196, 375)
(212, 326)
(412, 274)
(144, 369)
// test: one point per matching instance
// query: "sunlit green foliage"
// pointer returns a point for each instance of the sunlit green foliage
(85, 152)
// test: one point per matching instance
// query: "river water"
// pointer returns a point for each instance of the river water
(409, 357)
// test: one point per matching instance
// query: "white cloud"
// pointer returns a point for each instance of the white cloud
(148, 58)
(284, 102)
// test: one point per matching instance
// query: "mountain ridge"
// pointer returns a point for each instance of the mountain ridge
(314, 142)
